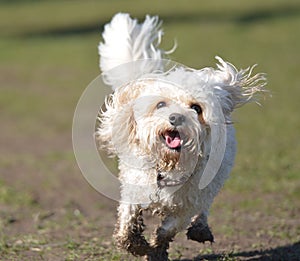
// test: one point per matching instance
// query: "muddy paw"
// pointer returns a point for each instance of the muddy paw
(199, 232)
(135, 244)
(157, 254)
(138, 246)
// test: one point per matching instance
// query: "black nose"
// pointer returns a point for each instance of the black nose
(176, 119)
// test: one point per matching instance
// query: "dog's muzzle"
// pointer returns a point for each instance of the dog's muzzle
(172, 137)
(176, 119)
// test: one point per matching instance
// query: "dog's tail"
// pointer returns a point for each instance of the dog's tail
(125, 41)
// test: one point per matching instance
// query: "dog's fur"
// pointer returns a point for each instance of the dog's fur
(162, 127)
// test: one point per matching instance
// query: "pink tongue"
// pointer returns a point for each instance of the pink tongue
(173, 142)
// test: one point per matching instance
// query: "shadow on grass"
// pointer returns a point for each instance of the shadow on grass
(213, 17)
(288, 252)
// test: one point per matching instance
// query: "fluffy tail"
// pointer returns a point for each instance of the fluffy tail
(125, 41)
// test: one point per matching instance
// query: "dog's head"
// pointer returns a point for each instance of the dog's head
(151, 122)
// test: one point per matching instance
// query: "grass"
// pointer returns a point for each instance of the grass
(48, 55)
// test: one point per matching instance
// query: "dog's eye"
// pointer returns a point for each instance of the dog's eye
(196, 108)
(161, 105)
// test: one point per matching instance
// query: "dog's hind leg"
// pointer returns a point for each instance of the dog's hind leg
(199, 230)
(129, 229)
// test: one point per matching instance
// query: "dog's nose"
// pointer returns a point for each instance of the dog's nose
(176, 119)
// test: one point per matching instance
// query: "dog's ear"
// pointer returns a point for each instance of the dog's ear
(235, 88)
(103, 134)
(117, 127)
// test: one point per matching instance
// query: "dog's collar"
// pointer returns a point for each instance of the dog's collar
(168, 182)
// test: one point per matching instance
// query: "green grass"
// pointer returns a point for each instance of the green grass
(48, 55)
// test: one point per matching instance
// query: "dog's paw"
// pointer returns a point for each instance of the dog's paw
(135, 244)
(138, 246)
(157, 254)
(200, 233)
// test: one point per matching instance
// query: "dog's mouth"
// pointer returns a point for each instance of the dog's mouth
(172, 139)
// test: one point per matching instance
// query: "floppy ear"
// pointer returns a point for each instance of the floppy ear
(235, 88)
(117, 126)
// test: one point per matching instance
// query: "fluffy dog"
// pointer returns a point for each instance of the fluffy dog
(170, 127)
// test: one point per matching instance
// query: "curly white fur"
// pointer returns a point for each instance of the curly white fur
(125, 40)
(166, 128)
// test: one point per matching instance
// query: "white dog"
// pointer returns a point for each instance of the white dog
(170, 127)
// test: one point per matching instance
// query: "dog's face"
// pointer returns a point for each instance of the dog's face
(169, 125)
(159, 124)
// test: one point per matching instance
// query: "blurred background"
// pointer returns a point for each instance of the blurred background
(48, 55)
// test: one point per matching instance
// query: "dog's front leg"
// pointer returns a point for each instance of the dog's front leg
(161, 239)
(129, 229)
(199, 230)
